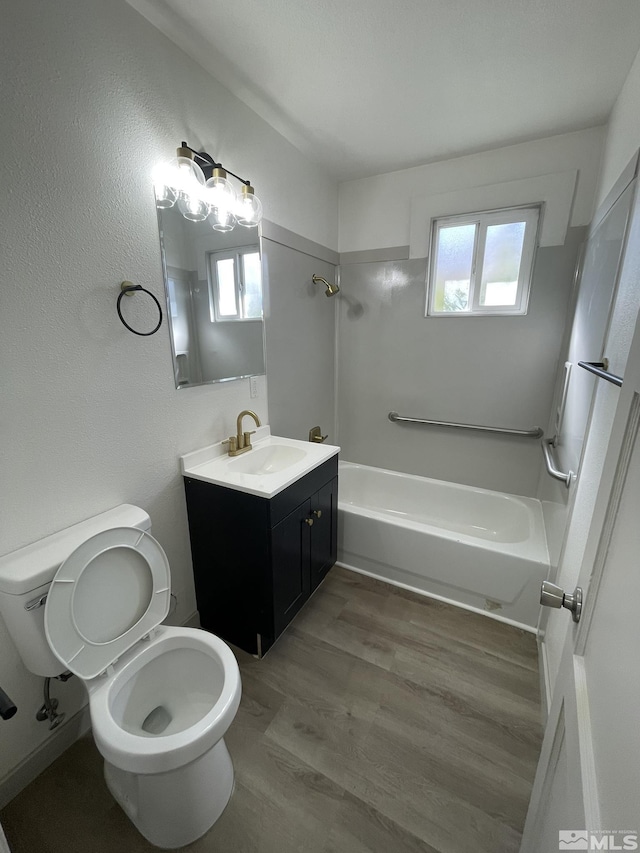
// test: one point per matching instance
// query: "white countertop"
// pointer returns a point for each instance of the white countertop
(278, 463)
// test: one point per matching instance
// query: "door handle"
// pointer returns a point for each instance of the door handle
(554, 596)
(317, 513)
(308, 521)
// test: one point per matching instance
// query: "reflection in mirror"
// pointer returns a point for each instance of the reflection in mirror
(213, 283)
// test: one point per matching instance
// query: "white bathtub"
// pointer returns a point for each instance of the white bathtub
(482, 550)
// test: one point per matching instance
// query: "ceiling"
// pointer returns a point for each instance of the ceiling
(365, 87)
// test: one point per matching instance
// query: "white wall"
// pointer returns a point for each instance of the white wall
(623, 132)
(376, 212)
(93, 96)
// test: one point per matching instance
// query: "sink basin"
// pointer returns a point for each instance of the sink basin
(267, 460)
(268, 468)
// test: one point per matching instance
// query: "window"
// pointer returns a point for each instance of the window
(235, 284)
(481, 263)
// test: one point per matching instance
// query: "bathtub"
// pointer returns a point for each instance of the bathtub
(482, 550)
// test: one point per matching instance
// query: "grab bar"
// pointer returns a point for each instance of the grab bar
(536, 432)
(598, 369)
(552, 471)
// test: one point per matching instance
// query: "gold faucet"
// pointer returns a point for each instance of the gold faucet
(241, 442)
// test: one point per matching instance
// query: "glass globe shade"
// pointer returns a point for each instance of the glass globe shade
(221, 193)
(222, 219)
(180, 179)
(193, 206)
(165, 195)
(180, 173)
(249, 209)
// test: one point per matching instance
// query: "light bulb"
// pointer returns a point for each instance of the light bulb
(193, 206)
(181, 172)
(221, 192)
(222, 198)
(221, 219)
(249, 209)
(165, 195)
(180, 179)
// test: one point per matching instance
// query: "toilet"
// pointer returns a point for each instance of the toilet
(91, 600)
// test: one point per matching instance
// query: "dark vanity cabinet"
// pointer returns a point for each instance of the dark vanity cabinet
(257, 560)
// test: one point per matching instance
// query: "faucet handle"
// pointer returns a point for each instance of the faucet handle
(247, 438)
(232, 441)
(315, 435)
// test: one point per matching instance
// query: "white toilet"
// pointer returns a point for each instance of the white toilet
(91, 599)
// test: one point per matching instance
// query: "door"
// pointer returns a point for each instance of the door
(324, 533)
(291, 547)
(600, 272)
(586, 794)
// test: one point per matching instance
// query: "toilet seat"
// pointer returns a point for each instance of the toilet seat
(109, 593)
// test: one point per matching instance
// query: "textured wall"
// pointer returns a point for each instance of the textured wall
(93, 97)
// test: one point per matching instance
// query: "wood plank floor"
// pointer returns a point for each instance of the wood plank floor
(381, 721)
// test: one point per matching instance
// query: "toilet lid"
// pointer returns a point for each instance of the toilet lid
(108, 594)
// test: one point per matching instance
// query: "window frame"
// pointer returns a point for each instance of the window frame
(531, 215)
(238, 270)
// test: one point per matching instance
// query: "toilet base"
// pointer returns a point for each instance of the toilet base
(174, 809)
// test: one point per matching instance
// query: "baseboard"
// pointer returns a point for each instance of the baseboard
(489, 614)
(38, 761)
(61, 739)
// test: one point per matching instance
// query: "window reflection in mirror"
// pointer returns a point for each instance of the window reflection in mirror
(213, 283)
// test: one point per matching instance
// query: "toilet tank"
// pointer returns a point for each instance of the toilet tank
(26, 574)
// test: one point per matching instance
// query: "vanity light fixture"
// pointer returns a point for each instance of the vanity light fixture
(201, 190)
(180, 176)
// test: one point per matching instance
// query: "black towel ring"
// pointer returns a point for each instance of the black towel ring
(127, 287)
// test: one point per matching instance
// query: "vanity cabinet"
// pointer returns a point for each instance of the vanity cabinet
(257, 560)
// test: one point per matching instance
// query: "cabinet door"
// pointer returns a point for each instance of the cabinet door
(324, 533)
(291, 546)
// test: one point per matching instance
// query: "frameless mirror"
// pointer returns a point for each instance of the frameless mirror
(213, 286)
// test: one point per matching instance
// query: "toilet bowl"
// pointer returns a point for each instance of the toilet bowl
(160, 698)
(159, 721)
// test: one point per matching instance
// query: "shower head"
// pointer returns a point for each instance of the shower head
(331, 290)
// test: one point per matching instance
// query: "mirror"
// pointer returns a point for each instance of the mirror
(213, 286)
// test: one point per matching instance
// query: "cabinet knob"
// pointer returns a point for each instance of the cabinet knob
(309, 521)
(317, 513)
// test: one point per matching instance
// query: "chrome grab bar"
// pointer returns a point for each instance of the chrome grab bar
(535, 432)
(552, 471)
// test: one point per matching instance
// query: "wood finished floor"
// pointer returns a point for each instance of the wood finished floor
(381, 721)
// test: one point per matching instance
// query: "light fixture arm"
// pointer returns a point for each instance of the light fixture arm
(208, 164)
